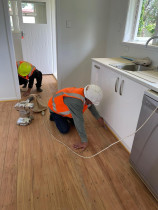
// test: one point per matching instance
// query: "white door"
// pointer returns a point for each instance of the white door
(35, 24)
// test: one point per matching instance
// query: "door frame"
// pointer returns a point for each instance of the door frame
(53, 29)
(11, 43)
(11, 50)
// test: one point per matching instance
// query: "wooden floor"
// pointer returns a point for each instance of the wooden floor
(38, 173)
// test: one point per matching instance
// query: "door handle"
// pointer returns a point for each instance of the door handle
(97, 67)
(116, 84)
(121, 87)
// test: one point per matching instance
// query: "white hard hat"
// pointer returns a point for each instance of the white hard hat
(93, 93)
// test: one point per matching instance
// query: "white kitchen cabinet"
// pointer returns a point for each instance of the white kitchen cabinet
(121, 104)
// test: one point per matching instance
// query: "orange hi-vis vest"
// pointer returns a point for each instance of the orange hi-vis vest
(56, 103)
(33, 68)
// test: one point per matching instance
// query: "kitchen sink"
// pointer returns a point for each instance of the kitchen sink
(148, 73)
(132, 67)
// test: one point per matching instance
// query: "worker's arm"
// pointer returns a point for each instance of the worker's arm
(30, 85)
(76, 108)
(96, 114)
(27, 92)
(31, 80)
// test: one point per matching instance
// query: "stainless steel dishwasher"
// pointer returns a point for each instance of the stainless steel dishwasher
(144, 154)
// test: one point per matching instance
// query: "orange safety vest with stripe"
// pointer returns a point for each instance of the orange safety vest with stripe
(56, 103)
(33, 68)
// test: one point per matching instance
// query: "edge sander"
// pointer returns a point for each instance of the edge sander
(24, 108)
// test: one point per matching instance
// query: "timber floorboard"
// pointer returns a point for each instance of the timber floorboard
(39, 173)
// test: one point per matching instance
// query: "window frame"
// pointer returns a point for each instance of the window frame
(34, 13)
(132, 24)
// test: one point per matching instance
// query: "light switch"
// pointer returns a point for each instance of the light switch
(68, 24)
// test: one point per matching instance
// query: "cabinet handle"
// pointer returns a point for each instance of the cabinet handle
(121, 87)
(97, 67)
(116, 84)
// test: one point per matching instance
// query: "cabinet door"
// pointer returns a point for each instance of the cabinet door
(96, 77)
(121, 104)
(95, 73)
(110, 82)
(129, 105)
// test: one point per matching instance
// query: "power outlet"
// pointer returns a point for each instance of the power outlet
(68, 24)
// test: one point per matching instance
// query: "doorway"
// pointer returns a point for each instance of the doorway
(33, 32)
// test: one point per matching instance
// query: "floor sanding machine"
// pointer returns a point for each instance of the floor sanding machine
(24, 108)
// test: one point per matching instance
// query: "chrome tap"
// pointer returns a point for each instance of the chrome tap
(153, 37)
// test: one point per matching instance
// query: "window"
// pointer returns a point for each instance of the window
(28, 12)
(34, 12)
(142, 21)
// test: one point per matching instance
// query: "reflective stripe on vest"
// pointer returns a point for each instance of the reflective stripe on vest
(18, 63)
(74, 95)
(57, 100)
(33, 68)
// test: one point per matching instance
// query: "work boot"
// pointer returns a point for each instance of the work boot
(51, 118)
(39, 89)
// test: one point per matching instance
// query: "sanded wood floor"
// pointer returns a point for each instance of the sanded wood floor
(38, 173)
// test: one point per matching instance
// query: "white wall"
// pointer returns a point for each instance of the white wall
(9, 90)
(83, 39)
(116, 24)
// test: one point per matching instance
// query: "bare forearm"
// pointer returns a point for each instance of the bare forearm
(27, 92)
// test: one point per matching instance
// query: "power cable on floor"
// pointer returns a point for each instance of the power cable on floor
(91, 156)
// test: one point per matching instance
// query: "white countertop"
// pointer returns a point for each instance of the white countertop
(132, 75)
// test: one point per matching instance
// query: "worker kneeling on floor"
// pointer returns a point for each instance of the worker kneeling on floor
(27, 73)
(68, 105)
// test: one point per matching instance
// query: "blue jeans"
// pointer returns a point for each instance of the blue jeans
(62, 123)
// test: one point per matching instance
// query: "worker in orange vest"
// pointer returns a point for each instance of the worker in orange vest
(68, 105)
(27, 73)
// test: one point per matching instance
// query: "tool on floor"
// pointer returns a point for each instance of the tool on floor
(39, 105)
(24, 108)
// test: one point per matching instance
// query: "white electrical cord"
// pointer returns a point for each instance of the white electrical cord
(91, 156)
(88, 157)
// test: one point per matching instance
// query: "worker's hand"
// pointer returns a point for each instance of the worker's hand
(81, 145)
(27, 92)
(101, 121)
